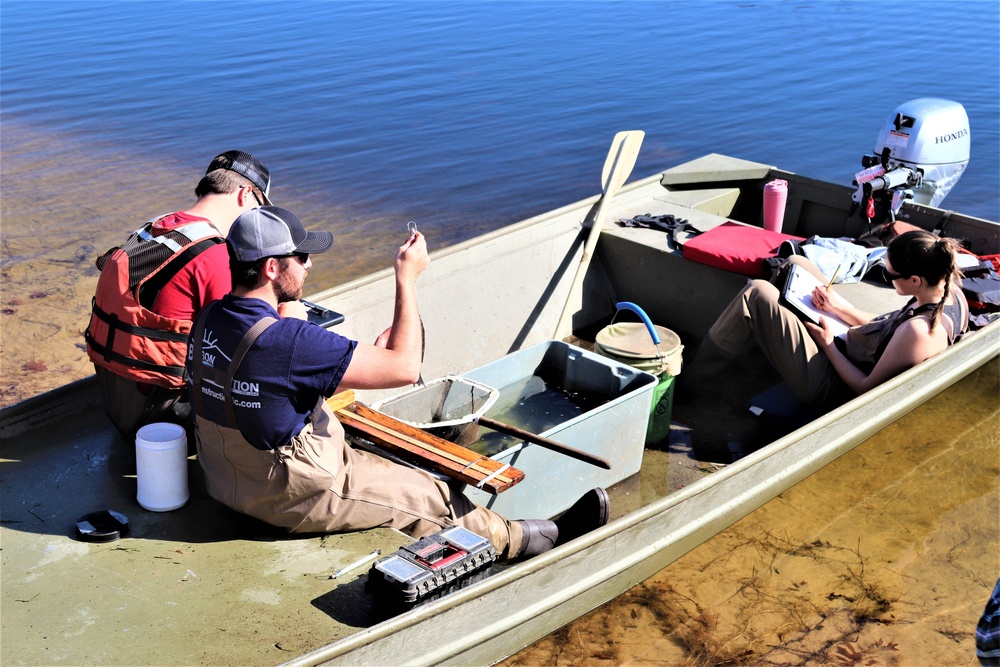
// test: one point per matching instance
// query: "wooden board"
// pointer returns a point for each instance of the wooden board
(423, 449)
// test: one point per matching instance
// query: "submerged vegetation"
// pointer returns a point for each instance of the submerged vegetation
(805, 603)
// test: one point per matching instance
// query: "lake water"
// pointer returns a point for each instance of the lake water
(469, 115)
(462, 116)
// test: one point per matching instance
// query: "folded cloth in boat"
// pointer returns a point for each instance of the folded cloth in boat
(849, 261)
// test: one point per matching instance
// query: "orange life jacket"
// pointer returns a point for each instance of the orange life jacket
(125, 335)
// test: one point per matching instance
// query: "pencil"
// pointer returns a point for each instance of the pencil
(356, 564)
(834, 276)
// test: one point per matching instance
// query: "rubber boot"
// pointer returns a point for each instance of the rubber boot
(589, 512)
(539, 536)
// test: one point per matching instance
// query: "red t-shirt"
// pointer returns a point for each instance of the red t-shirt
(202, 280)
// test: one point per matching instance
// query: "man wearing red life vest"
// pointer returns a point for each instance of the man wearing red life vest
(152, 286)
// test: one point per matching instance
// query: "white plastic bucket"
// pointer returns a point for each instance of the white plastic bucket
(161, 467)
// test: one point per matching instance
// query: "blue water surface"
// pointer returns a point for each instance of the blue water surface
(471, 115)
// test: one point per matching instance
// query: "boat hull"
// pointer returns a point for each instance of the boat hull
(241, 594)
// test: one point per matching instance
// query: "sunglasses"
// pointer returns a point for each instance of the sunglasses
(303, 257)
(889, 277)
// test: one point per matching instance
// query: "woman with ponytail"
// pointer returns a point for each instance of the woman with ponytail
(823, 369)
(921, 266)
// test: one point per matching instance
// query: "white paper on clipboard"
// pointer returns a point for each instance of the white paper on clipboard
(798, 294)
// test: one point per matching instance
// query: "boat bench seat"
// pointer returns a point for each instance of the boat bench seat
(716, 201)
(675, 292)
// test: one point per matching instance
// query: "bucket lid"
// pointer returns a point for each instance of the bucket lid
(102, 526)
(632, 340)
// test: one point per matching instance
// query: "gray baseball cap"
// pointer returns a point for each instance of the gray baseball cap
(270, 231)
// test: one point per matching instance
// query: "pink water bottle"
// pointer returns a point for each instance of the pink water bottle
(775, 195)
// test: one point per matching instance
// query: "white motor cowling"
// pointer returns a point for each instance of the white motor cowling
(920, 154)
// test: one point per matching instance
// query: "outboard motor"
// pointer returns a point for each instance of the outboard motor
(920, 154)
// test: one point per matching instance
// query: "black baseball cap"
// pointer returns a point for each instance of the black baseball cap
(245, 165)
(270, 231)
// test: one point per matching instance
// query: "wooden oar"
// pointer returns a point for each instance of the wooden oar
(617, 167)
(528, 436)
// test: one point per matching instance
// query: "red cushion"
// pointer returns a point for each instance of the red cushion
(735, 247)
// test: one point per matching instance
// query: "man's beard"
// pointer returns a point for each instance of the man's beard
(286, 290)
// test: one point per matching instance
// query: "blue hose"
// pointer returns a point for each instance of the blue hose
(628, 305)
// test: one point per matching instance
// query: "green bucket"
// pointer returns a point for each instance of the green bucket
(663, 406)
(633, 343)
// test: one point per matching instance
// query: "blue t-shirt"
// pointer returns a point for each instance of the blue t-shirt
(282, 376)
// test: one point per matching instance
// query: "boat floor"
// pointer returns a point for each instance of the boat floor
(198, 585)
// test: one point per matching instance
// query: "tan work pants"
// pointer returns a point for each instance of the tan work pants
(317, 483)
(756, 316)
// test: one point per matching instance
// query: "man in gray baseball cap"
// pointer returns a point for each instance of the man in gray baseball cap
(270, 445)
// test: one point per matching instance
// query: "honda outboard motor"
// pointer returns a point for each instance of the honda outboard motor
(920, 154)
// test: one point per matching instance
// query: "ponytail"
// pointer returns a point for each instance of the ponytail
(947, 249)
(939, 306)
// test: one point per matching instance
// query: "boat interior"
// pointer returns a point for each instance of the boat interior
(203, 585)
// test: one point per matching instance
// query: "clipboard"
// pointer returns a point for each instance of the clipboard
(797, 294)
(321, 316)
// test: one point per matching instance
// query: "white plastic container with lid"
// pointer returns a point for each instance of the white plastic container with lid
(161, 467)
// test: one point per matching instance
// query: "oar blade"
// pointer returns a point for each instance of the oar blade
(617, 167)
(621, 158)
